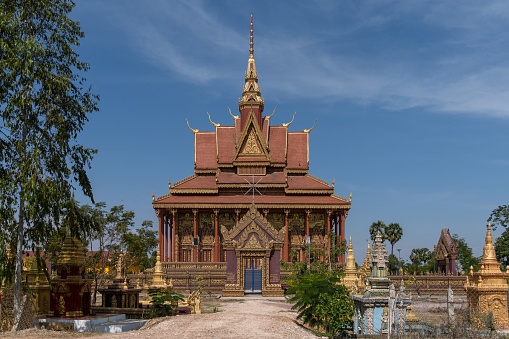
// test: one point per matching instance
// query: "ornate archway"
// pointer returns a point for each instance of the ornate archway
(253, 239)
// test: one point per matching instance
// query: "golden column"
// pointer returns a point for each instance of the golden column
(487, 288)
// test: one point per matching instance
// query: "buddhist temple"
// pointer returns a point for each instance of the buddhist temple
(446, 253)
(271, 162)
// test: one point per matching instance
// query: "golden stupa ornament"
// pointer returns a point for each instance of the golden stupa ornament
(487, 288)
(351, 279)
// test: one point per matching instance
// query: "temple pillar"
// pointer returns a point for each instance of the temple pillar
(287, 251)
(342, 234)
(165, 237)
(195, 220)
(160, 217)
(329, 212)
(174, 234)
(307, 234)
(216, 236)
(237, 212)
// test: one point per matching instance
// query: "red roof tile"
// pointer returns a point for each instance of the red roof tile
(306, 183)
(198, 182)
(247, 200)
(226, 144)
(206, 152)
(277, 143)
(297, 150)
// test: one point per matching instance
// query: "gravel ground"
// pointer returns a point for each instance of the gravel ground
(247, 317)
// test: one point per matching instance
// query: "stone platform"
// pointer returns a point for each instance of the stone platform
(105, 323)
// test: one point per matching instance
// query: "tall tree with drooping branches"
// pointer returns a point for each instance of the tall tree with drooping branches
(44, 105)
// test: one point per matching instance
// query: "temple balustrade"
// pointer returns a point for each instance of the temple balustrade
(431, 284)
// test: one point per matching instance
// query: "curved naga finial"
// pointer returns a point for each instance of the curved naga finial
(309, 130)
(288, 124)
(192, 130)
(233, 116)
(213, 123)
(270, 116)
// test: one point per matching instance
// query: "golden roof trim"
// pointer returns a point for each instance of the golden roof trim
(236, 185)
(339, 197)
(193, 191)
(309, 130)
(205, 171)
(317, 179)
(185, 180)
(231, 206)
(310, 191)
(251, 163)
(216, 125)
(163, 196)
(192, 129)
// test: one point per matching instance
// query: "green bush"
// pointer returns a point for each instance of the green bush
(163, 302)
(322, 302)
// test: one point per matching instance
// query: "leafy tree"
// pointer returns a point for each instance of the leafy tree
(502, 246)
(322, 301)
(465, 254)
(375, 227)
(499, 217)
(394, 264)
(139, 244)
(44, 106)
(393, 232)
(419, 257)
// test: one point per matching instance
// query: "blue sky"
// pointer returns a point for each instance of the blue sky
(411, 97)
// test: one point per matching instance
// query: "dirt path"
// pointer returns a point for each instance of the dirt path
(248, 317)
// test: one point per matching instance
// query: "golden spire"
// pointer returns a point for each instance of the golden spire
(489, 257)
(251, 95)
(350, 260)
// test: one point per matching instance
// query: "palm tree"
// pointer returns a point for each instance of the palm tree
(393, 233)
(375, 227)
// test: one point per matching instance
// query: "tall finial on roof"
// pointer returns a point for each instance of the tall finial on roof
(251, 49)
(251, 95)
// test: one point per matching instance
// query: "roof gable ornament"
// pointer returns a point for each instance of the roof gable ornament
(192, 130)
(251, 133)
(233, 116)
(213, 123)
(288, 124)
(309, 130)
(270, 116)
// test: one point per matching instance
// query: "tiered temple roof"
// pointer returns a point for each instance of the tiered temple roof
(224, 159)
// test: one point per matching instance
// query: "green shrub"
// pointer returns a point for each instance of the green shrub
(163, 302)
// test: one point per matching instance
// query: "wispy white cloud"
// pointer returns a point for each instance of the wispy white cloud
(461, 66)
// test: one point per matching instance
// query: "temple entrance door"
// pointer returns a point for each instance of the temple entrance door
(252, 276)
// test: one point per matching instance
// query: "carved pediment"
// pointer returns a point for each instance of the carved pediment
(252, 243)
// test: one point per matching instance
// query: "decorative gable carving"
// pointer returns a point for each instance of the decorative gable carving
(251, 140)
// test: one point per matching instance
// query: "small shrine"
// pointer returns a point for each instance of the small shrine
(446, 253)
(379, 310)
(487, 288)
(70, 292)
(253, 251)
(119, 294)
(39, 286)
(351, 280)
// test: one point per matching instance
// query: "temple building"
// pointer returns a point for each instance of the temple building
(285, 202)
(446, 253)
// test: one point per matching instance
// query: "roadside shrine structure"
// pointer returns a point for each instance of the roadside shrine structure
(446, 253)
(228, 161)
(487, 288)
